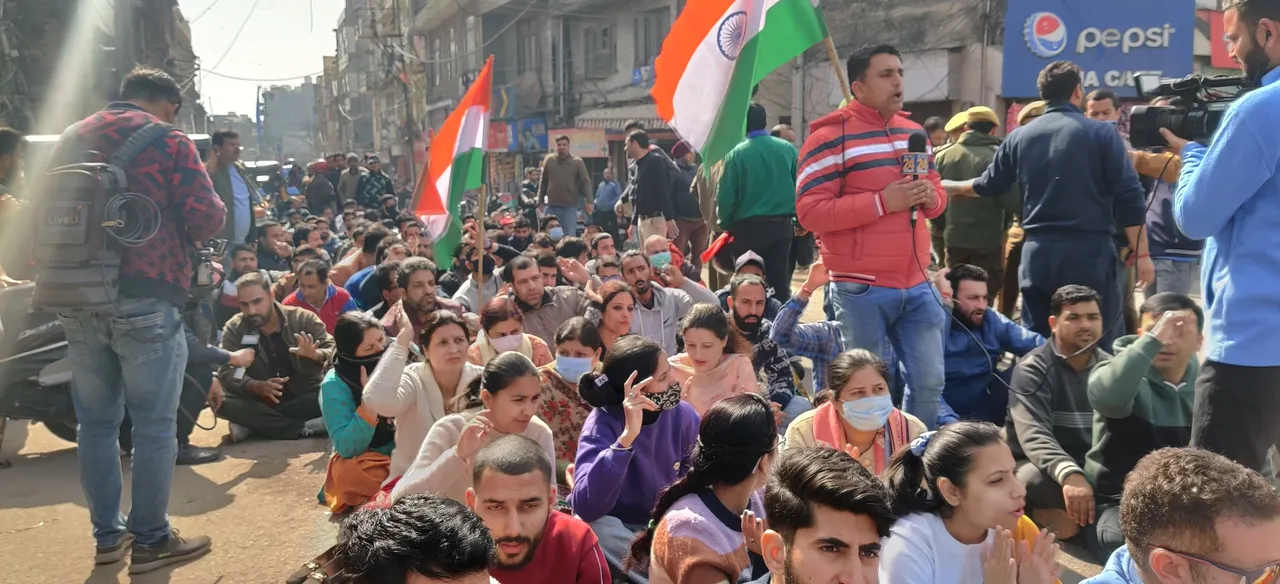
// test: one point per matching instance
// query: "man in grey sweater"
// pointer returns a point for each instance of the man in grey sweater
(1050, 426)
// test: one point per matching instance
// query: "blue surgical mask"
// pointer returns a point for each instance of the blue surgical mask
(572, 368)
(556, 233)
(868, 414)
(610, 278)
(660, 260)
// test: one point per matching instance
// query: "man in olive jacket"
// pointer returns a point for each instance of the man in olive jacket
(976, 226)
(276, 397)
(237, 189)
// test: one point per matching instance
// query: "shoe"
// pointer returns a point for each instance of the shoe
(115, 553)
(176, 549)
(237, 433)
(313, 428)
(189, 455)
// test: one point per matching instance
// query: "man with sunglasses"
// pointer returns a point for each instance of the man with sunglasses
(1190, 516)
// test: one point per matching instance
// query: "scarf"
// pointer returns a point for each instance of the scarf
(348, 370)
(488, 353)
(828, 430)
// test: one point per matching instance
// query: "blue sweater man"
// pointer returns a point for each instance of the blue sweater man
(1229, 194)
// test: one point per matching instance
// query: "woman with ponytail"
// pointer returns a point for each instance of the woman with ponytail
(707, 525)
(503, 400)
(362, 440)
(961, 514)
(636, 441)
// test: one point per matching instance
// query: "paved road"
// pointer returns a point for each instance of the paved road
(258, 503)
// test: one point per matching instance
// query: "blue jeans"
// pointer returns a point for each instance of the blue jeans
(906, 323)
(798, 405)
(137, 361)
(568, 218)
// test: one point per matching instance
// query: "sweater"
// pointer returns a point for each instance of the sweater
(920, 550)
(1136, 412)
(733, 375)
(337, 302)
(758, 180)
(559, 304)
(1119, 570)
(350, 427)
(659, 455)
(1050, 419)
(801, 434)
(481, 352)
(773, 363)
(568, 553)
(437, 468)
(411, 396)
(565, 181)
(969, 364)
(660, 322)
(975, 223)
(850, 157)
(1074, 174)
(1228, 195)
(699, 541)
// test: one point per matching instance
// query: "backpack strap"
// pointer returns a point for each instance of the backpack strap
(137, 142)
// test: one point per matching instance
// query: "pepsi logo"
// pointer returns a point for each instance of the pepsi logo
(1046, 34)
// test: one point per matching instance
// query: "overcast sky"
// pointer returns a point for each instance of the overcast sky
(282, 38)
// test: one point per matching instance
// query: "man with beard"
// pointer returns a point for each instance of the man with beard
(1236, 396)
(975, 343)
(748, 295)
(660, 309)
(1050, 425)
(273, 247)
(751, 263)
(545, 308)
(316, 294)
(827, 515)
(417, 280)
(536, 544)
(277, 396)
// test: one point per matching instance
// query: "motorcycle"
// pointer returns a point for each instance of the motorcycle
(35, 369)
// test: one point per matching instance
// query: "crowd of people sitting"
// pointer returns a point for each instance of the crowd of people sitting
(608, 417)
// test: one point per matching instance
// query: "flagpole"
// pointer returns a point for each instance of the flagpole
(484, 191)
(835, 63)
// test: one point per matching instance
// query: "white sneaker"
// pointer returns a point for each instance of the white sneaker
(237, 433)
(313, 428)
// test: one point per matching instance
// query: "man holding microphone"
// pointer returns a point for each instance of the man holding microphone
(1229, 195)
(871, 223)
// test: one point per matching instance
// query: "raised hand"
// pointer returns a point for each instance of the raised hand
(998, 564)
(473, 436)
(753, 529)
(634, 404)
(1038, 563)
(306, 348)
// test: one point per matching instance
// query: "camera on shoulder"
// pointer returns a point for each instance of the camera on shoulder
(1196, 105)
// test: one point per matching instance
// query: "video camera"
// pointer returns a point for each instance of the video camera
(1199, 104)
(206, 274)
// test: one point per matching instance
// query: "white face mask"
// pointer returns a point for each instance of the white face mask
(508, 343)
(868, 413)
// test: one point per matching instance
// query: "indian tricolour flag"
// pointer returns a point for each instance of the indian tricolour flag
(455, 164)
(716, 53)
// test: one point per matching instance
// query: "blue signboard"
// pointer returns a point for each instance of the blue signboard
(533, 134)
(1110, 40)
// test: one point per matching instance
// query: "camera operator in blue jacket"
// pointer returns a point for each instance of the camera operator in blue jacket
(1229, 194)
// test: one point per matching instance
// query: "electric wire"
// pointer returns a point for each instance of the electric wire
(236, 37)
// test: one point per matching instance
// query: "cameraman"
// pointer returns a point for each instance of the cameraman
(1228, 193)
(1175, 256)
(135, 358)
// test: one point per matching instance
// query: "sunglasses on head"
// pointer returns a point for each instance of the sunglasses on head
(1262, 575)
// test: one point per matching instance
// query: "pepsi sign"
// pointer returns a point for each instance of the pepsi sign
(1111, 41)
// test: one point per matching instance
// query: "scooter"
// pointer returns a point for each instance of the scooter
(35, 369)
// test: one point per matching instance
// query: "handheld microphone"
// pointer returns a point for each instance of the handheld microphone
(249, 340)
(915, 164)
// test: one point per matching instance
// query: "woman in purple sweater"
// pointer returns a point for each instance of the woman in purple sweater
(635, 442)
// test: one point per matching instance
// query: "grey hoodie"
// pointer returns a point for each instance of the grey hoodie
(662, 321)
